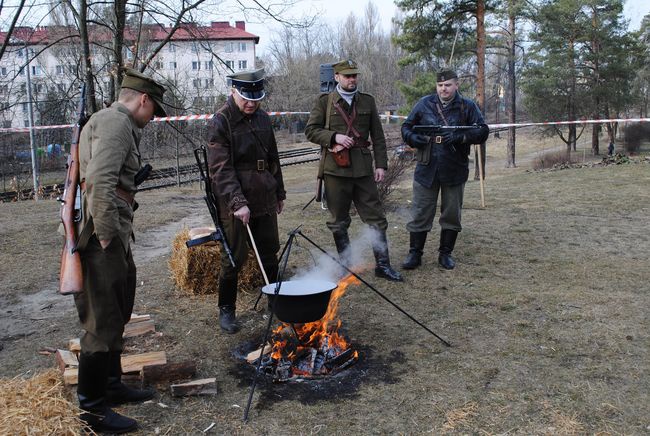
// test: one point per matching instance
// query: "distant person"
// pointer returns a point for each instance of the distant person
(245, 170)
(341, 123)
(109, 159)
(442, 165)
(610, 148)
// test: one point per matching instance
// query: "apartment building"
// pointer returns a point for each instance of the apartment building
(193, 64)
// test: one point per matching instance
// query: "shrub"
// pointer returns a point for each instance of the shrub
(551, 159)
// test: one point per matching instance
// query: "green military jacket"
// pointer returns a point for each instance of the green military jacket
(108, 157)
(368, 124)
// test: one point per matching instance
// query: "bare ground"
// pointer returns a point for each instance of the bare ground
(546, 312)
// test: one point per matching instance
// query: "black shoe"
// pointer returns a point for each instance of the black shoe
(446, 261)
(388, 273)
(414, 257)
(227, 319)
(107, 421)
(342, 242)
(119, 393)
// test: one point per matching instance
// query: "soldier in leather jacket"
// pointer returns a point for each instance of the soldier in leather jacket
(442, 165)
(245, 170)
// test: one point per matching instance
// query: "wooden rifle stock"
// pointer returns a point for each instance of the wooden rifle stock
(71, 276)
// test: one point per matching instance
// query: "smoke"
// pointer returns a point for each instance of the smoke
(359, 253)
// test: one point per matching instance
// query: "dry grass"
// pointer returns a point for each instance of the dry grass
(38, 406)
(459, 417)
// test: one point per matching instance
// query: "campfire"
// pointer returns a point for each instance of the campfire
(311, 350)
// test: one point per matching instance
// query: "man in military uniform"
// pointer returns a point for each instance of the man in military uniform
(442, 165)
(341, 123)
(245, 169)
(109, 159)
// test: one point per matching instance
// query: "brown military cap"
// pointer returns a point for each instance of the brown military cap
(346, 67)
(248, 84)
(445, 75)
(134, 79)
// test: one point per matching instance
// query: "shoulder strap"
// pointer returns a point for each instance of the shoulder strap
(328, 111)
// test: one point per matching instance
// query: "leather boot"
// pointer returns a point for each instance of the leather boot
(117, 392)
(447, 243)
(342, 242)
(414, 258)
(91, 391)
(227, 319)
(382, 267)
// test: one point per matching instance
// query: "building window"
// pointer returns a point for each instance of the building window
(20, 53)
(60, 69)
(6, 124)
(26, 122)
(230, 64)
(39, 88)
(23, 88)
(241, 46)
(72, 69)
(196, 65)
(3, 71)
(172, 65)
(24, 108)
(195, 48)
(196, 83)
(242, 65)
(171, 48)
(209, 65)
(60, 87)
(36, 70)
(229, 47)
(4, 89)
(21, 72)
(158, 65)
(209, 83)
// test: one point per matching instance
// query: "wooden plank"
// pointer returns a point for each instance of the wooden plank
(71, 376)
(152, 374)
(66, 359)
(135, 362)
(138, 318)
(206, 386)
(254, 355)
(74, 345)
(138, 328)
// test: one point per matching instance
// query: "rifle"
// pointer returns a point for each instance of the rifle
(71, 278)
(434, 130)
(201, 156)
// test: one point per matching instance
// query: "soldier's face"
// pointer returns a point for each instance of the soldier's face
(247, 107)
(348, 82)
(145, 111)
(447, 89)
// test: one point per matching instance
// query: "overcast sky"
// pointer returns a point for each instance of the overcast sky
(336, 11)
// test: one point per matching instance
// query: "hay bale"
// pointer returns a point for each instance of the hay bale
(196, 270)
(38, 405)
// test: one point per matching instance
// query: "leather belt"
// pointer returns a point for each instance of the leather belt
(259, 165)
(125, 195)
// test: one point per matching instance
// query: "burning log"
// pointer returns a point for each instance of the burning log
(254, 355)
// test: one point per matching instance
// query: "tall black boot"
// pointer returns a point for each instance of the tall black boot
(91, 391)
(342, 242)
(414, 258)
(227, 299)
(447, 243)
(383, 268)
(117, 392)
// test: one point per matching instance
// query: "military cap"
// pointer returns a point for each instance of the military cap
(445, 75)
(248, 84)
(134, 79)
(346, 67)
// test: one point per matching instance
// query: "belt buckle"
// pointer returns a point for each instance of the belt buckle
(260, 164)
(438, 139)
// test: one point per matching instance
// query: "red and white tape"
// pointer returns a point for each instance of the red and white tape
(401, 117)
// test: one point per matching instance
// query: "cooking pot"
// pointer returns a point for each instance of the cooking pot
(300, 301)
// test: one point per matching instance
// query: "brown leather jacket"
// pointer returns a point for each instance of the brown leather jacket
(243, 161)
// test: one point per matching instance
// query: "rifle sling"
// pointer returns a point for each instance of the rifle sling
(123, 194)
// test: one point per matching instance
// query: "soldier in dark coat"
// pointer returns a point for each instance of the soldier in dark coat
(108, 162)
(442, 165)
(341, 123)
(245, 170)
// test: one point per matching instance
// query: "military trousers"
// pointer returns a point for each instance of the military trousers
(425, 201)
(340, 192)
(106, 303)
(265, 232)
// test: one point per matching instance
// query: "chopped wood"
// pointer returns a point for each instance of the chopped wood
(138, 328)
(254, 355)
(138, 318)
(199, 232)
(71, 376)
(152, 374)
(206, 386)
(66, 359)
(74, 345)
(135, 362)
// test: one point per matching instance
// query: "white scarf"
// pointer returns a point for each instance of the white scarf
(347, 95)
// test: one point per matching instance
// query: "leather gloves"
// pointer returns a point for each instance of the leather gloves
(452, 138)
(418, 141)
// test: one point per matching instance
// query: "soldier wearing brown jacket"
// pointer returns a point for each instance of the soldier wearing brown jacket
(341, 123)
(108, 162)
(245, 170)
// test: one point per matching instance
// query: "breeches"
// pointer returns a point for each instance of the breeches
(425, 201)
(105, 305)
(342, 191)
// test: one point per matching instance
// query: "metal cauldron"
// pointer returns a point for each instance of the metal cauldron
(300, 301)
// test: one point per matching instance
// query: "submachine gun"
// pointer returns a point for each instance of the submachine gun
(201, 156)
(436, 131)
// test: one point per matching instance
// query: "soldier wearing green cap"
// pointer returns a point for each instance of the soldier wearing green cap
(245, 170)
(442, 165)
(341, 123)
(108, 162)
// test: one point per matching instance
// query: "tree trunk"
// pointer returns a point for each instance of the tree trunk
(87, 59)
(480, 77)
(118, 46)
(511, 108)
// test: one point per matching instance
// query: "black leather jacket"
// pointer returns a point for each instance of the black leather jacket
(448, 165)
